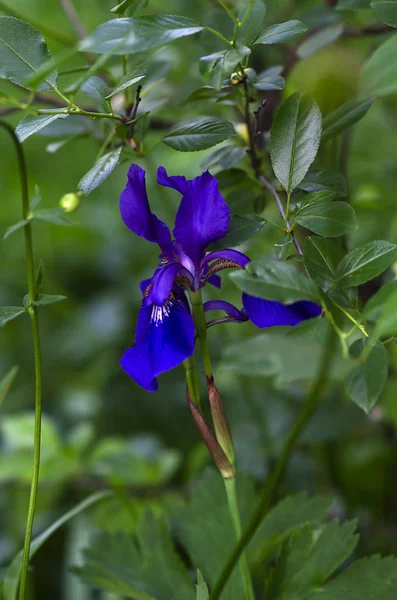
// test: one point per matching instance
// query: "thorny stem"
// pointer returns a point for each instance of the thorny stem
(273, 482)
(32, 310)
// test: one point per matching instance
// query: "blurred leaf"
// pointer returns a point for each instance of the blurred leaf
(241, 229)
(320, 40)
(253, 23)
(387, 319)
(23, 51)
(316, 181)
(199, 134)
(130, 35)
(123, 6)
(211, 67)
(345, 116)
(275, 280)
(205, 92)
(15, 227)
(386, 12)
(53, 215)
(375, 304)
(8, 313)
(43, 299)
(95, 88)
(102, 169)
(294, 139)
(33, 123)
(322, 258)
(270, 79)
(202, 588)
(129, 79)
(281, 32)
(226, 157)
(365, 382)
(233, 57)
(13, 572)
(366, 262)
(327, 218)
(5, 383)
(379, 75)
(352, 4)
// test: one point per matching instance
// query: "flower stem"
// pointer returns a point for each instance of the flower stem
(273, 482)
(32, 310)
(192, 380)
(201, 328)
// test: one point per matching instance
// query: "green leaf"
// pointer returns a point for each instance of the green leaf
(375, 305)
(96, 89)
(199, 134)
(202, 588)
(366, 262)
(275, 280)
(8, 313)
(294, 139)
(322, 258)
(128, 80)
(102, 169)
(319, 40)
(270, 79)
(387, 321)
(233, 57)
(365, 382)
(386, 12)
(123, 6)
(327, 218)
(281, 32)
(253, 23)
(225, 157)
(211, 67)
(316, 181)
(205, 92)
(15, 227)
(33, 123)
(131, 35)
(5, 383)
(352, 4)
(44, 299)
(22, 52)
(53, 215)
(12, 575)
(345, 116)
(144, 569)
(379, 75)
(241, 229)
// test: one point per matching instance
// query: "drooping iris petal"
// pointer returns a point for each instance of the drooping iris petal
(215, 280)
(163, 281)
(177, 182)
(164, 339)
(268, 313)
(202, 218)
(227, 307)
(136, 213)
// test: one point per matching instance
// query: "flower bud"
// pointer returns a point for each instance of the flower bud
(242, 131)
(221, 424)
(235, 78)
(70, 202)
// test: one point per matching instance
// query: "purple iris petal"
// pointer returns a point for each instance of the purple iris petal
(228, 308)
(268, 313)
(233, 255)
(215, 280)
(177, 182)
(136, 213)
(202, 218)
(163, 282)
(164, 339)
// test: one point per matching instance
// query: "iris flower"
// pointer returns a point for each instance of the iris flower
(165, 329)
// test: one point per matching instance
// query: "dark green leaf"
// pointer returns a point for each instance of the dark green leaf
(366, 262)
(322, 258)
(386, 11)
(330, 219)
(233, 57)
(128, 80)
(387, 321)
(202, 588)
(8, 313)
(102, 169)
(253, 23)
(96, 89)
(275, 280)
(211, 67)
(5, 383)
(319, 40)
(352, 4)
(127, 36)
(32, 124)
(345, 116)
(53, 215)
(379, 75)
(295, 138)
(15, 227)
(43, 299)
(375, 305)
(270, 79)
(241, 229)
(316, 181)
(199, 134)
(281, 32)
(365, 382)
(22, 52)
(225, 157)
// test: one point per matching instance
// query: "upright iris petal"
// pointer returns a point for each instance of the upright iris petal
(269, 313)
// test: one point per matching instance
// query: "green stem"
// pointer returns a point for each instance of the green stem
(229, 12)
(352, 319)
(127, 98)
(219, 35)
(201, 328)
(192, 380)
(81, 112)
(272, 484)
(44, 29)
(287, 211)
(32, 310)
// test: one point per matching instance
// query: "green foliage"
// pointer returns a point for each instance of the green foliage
(327, 218)
(379, 73)
(386, 11)
(102, 169)
(281, 32)
(241, 229)
(34, 123)
(344, 117)
(128, 80)
(365, 382)
(9, 313)
(322, 258)
(199, 134)
(6, 382)
(202, 589)
(366, 262)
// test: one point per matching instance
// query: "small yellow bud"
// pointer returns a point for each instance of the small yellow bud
(70, 202)
(242, 131)
(235, 78)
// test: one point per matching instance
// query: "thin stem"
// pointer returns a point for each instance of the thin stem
(219, 35)
(127, 98)
(32, 310)
(201, 328)
(273, 482)
(287, 211)
(352, 319)
(81, 111)
(229, 12)
(192, 380)
(73, 18)
(44, 29)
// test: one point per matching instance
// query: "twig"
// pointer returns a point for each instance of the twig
(73, 18)
(138, 99)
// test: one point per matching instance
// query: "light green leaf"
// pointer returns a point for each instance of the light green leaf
(130, 35)
(205, 92)
(294, 139)
(386, 11)
(375, 305)
(379, 75)
(33, 123)
(23, 52)
(253, 23)
(241, 228)
(123, 6)
(211, 67)
(44, 299)
(322, 258)
(95, 88)
(320, 40)
(270, 79)
(128, 80)
(53, 215)
(327, 218)
(316, 181)
(225, 157)
(202, 588)
(12, 575)
(365, 382)
(233, 57)
(102, 169)
(387, 321)
(8, 313)
(366, 262)
(199, 134)
(15, 227)
(275, 280)
(5, 383)
(345, 116)
(281, 32)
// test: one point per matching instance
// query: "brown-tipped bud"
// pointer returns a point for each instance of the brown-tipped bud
(221, 460)
(221, 424)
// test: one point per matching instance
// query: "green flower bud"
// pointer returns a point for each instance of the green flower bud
(70, 202)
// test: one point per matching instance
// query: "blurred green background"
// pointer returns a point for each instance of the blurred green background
(101, 430)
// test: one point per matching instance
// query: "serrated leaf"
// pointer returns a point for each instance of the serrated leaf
(322, 258)
(386, 12)
(13, 572)
(23, 51)
(53, 215)
(199, 134)
(327, 218)
(387, 321)
(202, 588)
(43, 299)
(241, 228)
(130, 35)
(366, 262)
(95, 88)
(6, 382)
(102, 169)
(128, 80)
(379, 75)
(345, 116)
(294, 139)
(275, 280)
(320, 40)
(281, 32)
(33, 123)
(8, 313)
(316, 181)
(365, 382)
